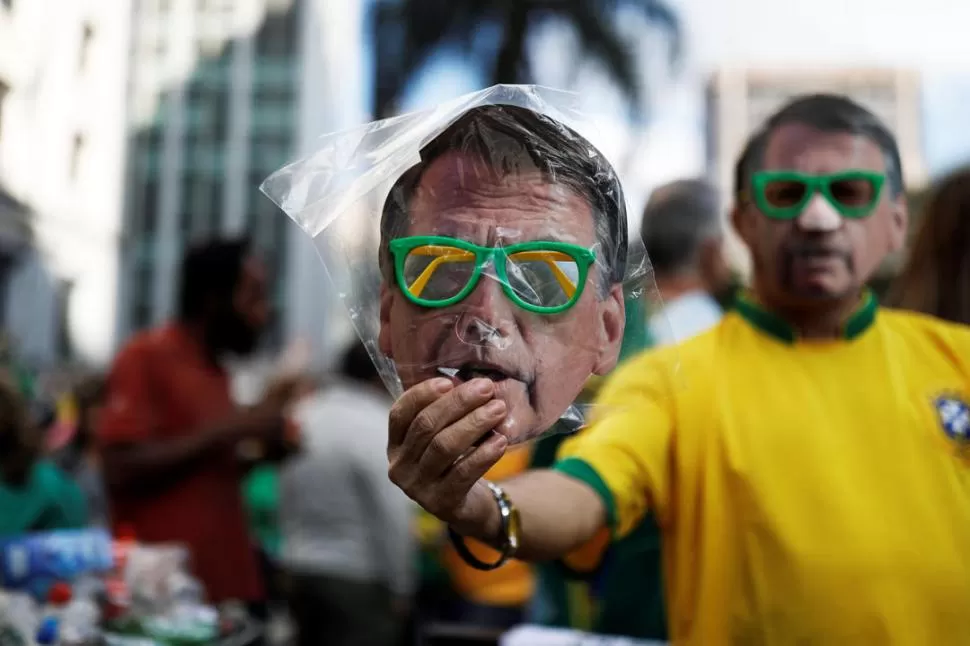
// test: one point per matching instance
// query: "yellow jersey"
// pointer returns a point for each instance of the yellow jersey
(808, 492)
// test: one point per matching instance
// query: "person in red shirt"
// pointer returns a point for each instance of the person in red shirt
(170, 434)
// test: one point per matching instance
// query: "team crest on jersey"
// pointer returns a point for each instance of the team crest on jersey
(954, 414)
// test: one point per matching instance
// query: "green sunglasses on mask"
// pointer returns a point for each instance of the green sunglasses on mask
(544, 277)
(783, 194)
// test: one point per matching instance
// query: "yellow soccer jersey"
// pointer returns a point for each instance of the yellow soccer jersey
(809, 492)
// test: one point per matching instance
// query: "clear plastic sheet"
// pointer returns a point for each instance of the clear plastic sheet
(482, 238)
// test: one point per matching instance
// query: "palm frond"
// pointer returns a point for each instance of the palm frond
(599, 37)
(406, 35)
(661, 14)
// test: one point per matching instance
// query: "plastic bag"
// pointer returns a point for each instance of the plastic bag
(482, 238)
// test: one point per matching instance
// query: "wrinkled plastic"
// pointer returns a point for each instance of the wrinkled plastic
(484, 237)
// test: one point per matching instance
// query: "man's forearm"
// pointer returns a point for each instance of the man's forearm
(558, 515)
(154, 465)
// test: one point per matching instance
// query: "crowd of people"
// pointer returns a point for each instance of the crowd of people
(806, 483)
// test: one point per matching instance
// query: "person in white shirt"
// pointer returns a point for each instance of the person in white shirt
(684, 236)
(347, 541)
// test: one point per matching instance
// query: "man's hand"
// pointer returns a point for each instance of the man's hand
(284, 391)
(436, 458)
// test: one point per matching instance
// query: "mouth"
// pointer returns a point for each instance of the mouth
(477, 370)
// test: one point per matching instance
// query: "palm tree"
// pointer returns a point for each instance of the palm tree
(408, 32)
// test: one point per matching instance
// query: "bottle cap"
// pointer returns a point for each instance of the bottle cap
(59, 594)
(47, 631)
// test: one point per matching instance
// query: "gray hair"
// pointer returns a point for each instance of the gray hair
(678, 219)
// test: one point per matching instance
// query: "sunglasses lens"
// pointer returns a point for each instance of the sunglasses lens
(785, 193)
(853, 193)
(543, 278)
(437, 273)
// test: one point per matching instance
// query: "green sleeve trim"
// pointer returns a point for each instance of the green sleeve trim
(582, 471)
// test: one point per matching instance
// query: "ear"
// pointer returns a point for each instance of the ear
(612, 325)
(384, 335)
(899, 224)
(711, 261)
(743, 223)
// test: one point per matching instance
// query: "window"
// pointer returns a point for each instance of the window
(87, 38)
(149, 212)
(4, 91)
(142, 293)
(63, 298)
(215, 208)
(77, 155)
(277, 36)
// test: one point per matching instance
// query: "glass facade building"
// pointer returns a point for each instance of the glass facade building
(223, 116)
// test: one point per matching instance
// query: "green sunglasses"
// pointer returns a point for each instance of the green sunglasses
(783, 194)
(544, 277)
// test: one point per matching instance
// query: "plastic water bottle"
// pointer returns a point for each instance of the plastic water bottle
(18, 618)
(79, 622)
(51, 623)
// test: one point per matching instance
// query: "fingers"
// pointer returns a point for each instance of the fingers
(435, 447)
(455, 485)
(448, 445)
(412, 402)
(447, 410)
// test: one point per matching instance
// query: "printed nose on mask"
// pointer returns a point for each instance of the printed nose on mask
(477, 332)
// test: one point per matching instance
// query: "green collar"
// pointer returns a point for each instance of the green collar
(772, 324)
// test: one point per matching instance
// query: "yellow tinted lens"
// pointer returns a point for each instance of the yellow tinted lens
(437, 273)
(543, 278)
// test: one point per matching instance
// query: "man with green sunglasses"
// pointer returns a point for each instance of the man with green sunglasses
(807, 459)
(503, 253)
(817, 220)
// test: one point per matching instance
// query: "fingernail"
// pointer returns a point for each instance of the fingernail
(483, 386)
(495, 407)
(441, 385)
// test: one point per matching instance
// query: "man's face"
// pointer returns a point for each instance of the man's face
(538, 361)
(820, 255)
(240, 326)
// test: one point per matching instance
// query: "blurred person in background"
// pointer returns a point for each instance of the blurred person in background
(35, 495)
(684, 239)
(490, 599)
(936, 277)
(261, 496)
(347, 543)
(79, 457)
(170, 434)
(619, 594)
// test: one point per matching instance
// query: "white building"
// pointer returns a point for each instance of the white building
(62, 77)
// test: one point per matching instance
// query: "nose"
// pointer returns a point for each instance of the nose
(486, 317)
(819, 216)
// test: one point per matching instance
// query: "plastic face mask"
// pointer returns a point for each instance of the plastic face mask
(543, 277)
(783, 194)
(482, 238)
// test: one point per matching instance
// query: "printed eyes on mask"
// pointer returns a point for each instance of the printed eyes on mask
(544, 277)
